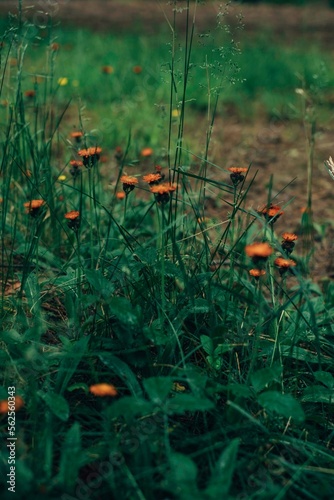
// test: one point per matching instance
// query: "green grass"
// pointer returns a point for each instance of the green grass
(249, 75)
(224, 382)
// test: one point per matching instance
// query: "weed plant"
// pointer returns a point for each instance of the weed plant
(155, 350)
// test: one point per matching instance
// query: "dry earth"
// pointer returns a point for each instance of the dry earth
(278, 148)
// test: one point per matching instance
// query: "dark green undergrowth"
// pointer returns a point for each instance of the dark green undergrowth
(219, 384)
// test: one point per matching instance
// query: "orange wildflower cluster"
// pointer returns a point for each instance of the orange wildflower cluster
(103, 389)
(90, 156)
(34, 207)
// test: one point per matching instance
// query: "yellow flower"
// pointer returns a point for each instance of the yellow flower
(176, 113)
(62, 81)
(62, 178)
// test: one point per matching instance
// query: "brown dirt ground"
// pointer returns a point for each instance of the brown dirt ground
(278, 148)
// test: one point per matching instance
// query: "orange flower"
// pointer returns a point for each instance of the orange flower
(30, 94)
(129, 183)
(77, 135)
(146, 152)
(73, 219)
(137, 69)
(152, 179)
(158, 170)
(54, 46)
(90, 156)
(162, 191)
(74, 214)
(102, 390)
(238, 170)
(120, 195)
(271, 213)
(75, 167)
(34, 207)
(289, 237)
(107, 70)
(118, 153)
(163, 188)
(284, 264)
(288, 242)
(256, 273)
(6, 406)
(258, 250)
(237, 174)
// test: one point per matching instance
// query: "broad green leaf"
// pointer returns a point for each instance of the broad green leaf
(79, 386)
(318, 394)
(325, 378)
(215, 362)
(124, 311)
(26, 475)
(222, 348)
(299, 353)
(11, 337)
(69, 363)
(130, 406)
(57, 404)
(70, 458)
(283, 404)
(158, 388)
(207, 344)
(239, 390)
(187, 402)
(263, 378)
(183, 476)
(147, 255)
(123, 371)
(222, 475)
(156, 334)
(99, 282)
